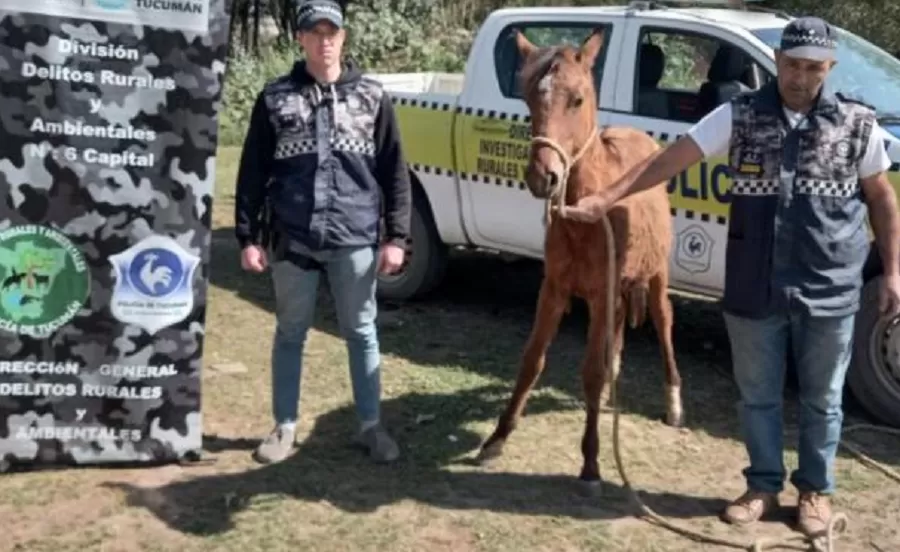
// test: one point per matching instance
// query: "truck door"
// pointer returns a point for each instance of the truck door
(676, 72)
(495, 133)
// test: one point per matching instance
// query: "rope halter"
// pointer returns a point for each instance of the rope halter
(568, 163)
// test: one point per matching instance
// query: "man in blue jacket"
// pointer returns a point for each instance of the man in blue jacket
(322, 150)
(807, 167)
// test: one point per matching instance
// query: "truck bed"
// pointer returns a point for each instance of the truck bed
(449, 84)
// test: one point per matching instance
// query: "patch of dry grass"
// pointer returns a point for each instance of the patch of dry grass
(453, 357)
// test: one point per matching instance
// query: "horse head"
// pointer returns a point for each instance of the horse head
(558, 88)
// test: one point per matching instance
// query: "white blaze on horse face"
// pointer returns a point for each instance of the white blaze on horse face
(545, 85)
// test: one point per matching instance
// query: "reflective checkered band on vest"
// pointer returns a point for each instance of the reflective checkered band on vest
(290, 147)
(363, 147)
(755, 187)
(826, 188)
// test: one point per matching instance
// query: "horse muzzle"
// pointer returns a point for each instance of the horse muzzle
(544, 186)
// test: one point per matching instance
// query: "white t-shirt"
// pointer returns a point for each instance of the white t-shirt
(712, 134)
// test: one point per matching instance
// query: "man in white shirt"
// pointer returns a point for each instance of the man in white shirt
(806, 167)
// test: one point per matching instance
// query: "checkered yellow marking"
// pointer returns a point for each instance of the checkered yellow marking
(482, 140)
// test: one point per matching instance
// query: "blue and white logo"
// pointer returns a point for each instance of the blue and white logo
(156, 272)
(111, 4)
(154, 283)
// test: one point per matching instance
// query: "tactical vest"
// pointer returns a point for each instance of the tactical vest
(797, 235)
(324, 193)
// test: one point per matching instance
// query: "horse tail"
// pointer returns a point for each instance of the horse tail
(637, 305)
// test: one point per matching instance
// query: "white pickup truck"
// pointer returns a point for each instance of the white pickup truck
(661, 69)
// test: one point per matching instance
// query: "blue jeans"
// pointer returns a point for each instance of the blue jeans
(352, 279)
(822, 349)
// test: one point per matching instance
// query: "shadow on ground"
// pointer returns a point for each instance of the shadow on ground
(479, 318)
(437, 472)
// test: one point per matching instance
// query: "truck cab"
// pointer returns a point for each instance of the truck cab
(660, 70)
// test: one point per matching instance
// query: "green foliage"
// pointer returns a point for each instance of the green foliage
(245, 78)
(435, 35)
(406, 36)
(874, 20)
(685, 55)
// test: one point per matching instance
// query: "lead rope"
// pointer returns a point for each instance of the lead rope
(838, 522)
(567, 163)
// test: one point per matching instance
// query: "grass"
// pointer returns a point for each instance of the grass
(452, 357)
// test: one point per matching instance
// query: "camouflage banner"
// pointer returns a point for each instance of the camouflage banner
(108, 134)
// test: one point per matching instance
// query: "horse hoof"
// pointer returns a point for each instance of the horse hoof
(674, 408)
(605, 400)
(675, 419)
(590, 488)
(489, 452)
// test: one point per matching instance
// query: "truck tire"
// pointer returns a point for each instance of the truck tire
(425, 262)
(874, 374)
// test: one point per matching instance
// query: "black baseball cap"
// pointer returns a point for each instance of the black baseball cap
(311, 12)
(809, 38)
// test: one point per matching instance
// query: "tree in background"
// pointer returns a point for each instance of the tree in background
(435, 35)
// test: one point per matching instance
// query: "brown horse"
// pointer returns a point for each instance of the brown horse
(569, 160)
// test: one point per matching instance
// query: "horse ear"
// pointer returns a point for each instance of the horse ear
(591, 47)
(526, 48)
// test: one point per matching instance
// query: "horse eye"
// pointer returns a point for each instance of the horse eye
(575, 101)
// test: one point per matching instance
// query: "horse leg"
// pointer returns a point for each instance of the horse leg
(661, 312)
(611, 372)
(552, 302)
(593, 374)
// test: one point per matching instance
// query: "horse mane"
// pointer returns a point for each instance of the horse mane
(611, 144)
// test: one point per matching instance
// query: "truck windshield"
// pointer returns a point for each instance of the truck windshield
(863, 71)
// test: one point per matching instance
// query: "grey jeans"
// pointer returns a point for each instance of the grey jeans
(352, 280)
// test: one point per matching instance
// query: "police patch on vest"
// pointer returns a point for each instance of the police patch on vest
(750, 162)
(842, 149)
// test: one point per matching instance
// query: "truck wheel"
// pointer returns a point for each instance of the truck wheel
(425, 261)
(874, 375)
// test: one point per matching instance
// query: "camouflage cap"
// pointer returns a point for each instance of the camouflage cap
(809, 38)
(311, 12)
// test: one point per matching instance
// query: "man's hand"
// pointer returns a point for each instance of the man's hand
(588, 209)
(253, 258)
(390, 258)
(882, 202)
(889, 295)
(654, 170)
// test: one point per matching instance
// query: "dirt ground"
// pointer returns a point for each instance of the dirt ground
(449, 365)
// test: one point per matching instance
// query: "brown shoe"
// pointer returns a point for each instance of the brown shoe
(749, 507)
(813, 514)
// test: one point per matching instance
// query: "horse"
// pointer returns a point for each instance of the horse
(569, 159)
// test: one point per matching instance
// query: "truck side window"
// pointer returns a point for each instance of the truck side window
(506, 55)
(683, 75)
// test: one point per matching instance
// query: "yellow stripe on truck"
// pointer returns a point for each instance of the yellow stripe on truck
(495, 151)
(420, 123)
(494, 148)
(704, 188)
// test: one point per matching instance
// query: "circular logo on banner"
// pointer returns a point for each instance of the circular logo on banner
(156, 272)
(111, 4)
(44, 280)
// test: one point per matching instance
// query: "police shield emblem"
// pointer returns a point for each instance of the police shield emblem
(694, 253)
(842, 150)
(154, 283)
